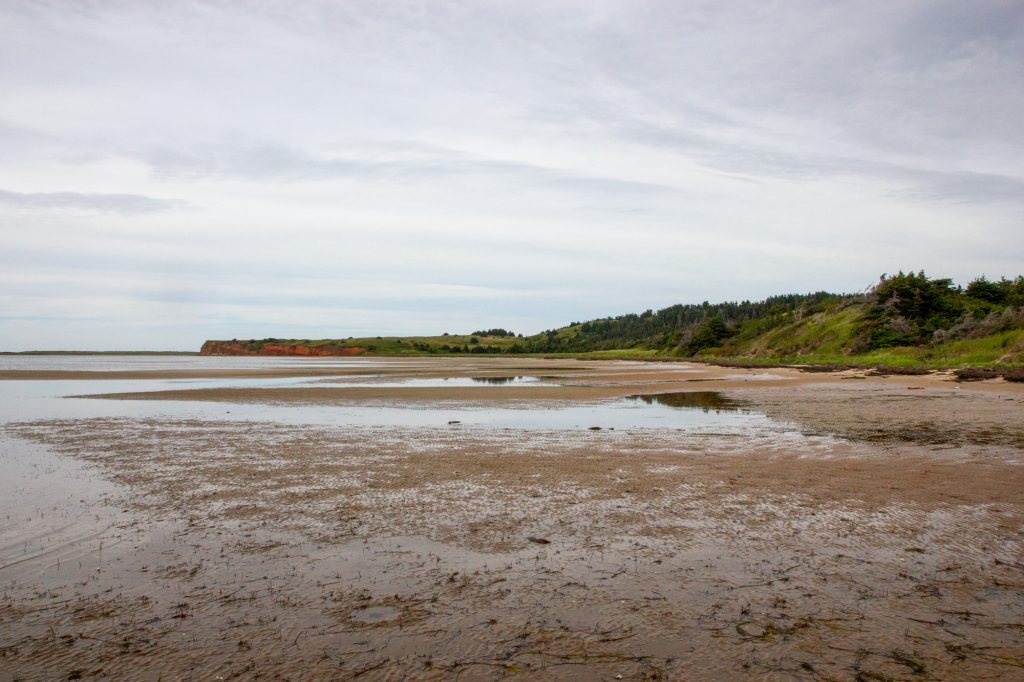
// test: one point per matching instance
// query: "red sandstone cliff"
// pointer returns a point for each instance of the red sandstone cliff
(298, 349)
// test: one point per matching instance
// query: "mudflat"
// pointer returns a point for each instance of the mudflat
(509, 518)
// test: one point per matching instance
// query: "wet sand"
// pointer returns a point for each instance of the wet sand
(857, 529)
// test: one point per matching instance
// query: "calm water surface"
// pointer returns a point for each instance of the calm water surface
(26, 400)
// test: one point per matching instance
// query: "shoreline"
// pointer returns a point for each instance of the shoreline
(967, 371)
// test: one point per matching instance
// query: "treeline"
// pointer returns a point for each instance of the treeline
(464, 348)
(689, 327)
(494, 332)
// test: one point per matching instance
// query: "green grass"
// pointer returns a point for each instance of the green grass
(818, 339)
(619, 354)
(1004, 348)
(824, 334)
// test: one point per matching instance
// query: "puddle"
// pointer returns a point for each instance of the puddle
(706, 401)
(504, 381)
(376, 614)
(435, 382)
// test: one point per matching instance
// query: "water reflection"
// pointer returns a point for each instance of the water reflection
(386, 381)
(30, 400)
(706, 401)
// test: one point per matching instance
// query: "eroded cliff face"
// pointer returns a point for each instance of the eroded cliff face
(247, 348)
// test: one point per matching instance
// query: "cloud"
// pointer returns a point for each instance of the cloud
(374, 166)
(279, 163)
(905, 181)
(92, 202)
(961, 187)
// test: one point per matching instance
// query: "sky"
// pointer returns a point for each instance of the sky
(177, 171)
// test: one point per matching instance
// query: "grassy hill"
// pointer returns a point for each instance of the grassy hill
(834, 336)
(907, 319)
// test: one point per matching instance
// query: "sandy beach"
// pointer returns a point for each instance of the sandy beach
(522, 519)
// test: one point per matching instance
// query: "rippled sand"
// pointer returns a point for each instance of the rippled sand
(789, 527)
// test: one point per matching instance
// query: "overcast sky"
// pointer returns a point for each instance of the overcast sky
(176, 171)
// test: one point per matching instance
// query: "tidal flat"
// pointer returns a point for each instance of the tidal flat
(441, 518)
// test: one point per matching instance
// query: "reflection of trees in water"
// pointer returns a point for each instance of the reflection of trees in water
(702, 400)
(497, 380)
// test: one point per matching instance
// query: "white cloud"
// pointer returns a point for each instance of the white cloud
(213, 169)
(86, 201)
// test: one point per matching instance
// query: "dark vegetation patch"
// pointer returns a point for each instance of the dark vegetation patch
(976, 373)
(983, 373)
(912, 309)
(885, 371)
(495, 332)
(683, 329)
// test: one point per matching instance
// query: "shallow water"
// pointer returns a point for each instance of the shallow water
(126, 363)
(52, 511)
(382, 381)
(705, 401)
(22, 400)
